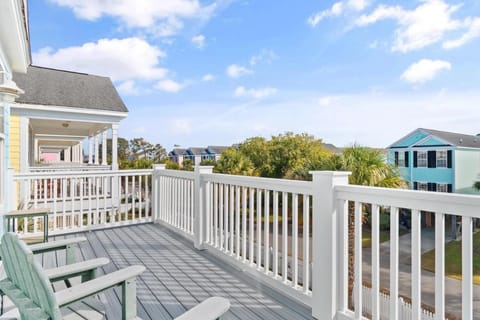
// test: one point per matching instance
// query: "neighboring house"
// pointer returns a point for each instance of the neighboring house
(14, 57)
(439, 161)
(194, 154)
(214, 152)
(60, 112)
(176, 155)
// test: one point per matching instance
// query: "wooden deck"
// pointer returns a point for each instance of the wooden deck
(179, 276)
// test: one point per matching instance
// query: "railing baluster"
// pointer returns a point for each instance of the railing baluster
(394, 226)
(244, 223)
(439, 266)
(306, 243)
(259, 228)
(140, 201)
(80, 215)
(467, 268)
(375, 262)
(55, 194)
(220, 215)
(237, 221)
(266, 233)
(358, 260)
(416, 265)
(232, 220)
(89, 188)
(295, 240)
(226, 230)
(275, 234)
(284, 237)
(215, 213)
(251, 254)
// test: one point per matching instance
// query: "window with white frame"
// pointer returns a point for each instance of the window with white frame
(422, 159)
(401, 159)
(441, 159)
(442, 187)
(422, 186)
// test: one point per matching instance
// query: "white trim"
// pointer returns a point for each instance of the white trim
(70, 113)
(415, 145)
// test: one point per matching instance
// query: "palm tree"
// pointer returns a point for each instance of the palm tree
(369, 168)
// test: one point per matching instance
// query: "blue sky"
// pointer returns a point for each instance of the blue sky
(197, 73)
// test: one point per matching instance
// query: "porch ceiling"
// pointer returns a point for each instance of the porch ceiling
(66, 128)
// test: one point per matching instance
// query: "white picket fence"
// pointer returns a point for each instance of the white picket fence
(404, 308)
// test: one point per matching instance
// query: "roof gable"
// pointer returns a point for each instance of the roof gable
(51, 87)
(430, 137)
(410, 139)
(430, 141)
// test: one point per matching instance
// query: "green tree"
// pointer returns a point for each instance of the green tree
(187, 165)
(123, 150)
(235, 162)
(476, 185)
(157, 153)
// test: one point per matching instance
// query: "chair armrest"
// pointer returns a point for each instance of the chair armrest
(76, 269)
(92, 287)
(55, 245)
(210, 309)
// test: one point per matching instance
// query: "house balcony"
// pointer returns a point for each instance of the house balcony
(278, 249)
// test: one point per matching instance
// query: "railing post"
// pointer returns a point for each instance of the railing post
(199, 206)
(324, 242)
(156, 192)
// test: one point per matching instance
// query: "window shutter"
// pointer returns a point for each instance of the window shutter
(415, 185)
(434, 187)
(396, 158)
(429, 186)
(432, 159)
(406, 159)
(449, 158)
(450, 188)
(415, 155)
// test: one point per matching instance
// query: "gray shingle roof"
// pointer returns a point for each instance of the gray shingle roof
(44, 86)
(196, 150)
(456, 139)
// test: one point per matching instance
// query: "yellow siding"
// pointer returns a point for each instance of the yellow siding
(15, 143)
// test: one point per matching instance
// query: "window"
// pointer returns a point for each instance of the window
(401, 159)
(441, 159)
(422, 186)
(422, 159)
(442, 187)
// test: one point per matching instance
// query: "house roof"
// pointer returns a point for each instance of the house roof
(451, 138)
(196, 151)
(177, 151)
(217, 149)
(456, 139)
(51, 87)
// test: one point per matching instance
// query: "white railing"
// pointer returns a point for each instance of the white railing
(293, 236)
(68, 167)
(84, 200)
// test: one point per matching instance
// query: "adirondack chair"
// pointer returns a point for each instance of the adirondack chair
(30, 289)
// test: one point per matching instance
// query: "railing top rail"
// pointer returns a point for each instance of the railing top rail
(176, 174)
(281, 185)
(451, 203)
(67, 174)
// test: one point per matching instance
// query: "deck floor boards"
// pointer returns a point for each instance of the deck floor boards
(178, 276)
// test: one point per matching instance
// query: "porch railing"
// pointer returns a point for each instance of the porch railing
(84, 200)
(293, 236)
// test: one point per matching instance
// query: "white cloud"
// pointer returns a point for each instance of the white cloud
(254, 93)
(181, 126)
(265, 55)
(472, 32)
(107, 57)
(169, 85)
(208, 77)
(237, 71)
(337, 9)
(198, 41)
(426, 24)
(425, 70)
(159, 17)
(129, 88)
(326, 101)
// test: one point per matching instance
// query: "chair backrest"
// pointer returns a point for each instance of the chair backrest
(29, 289)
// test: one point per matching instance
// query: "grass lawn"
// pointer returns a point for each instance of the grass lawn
(453, 259)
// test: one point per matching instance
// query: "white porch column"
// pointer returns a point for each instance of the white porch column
(104, 148)
(96, 153)
(115, 146)
(67, 154)
(90, 150)
(199, 203)
(36, 154)
(329, 261)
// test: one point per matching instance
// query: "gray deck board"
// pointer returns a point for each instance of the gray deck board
(178, 276)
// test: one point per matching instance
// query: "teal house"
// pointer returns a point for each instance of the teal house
(438, 161)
